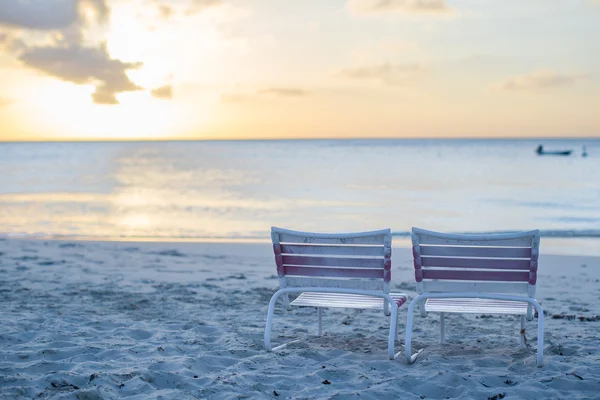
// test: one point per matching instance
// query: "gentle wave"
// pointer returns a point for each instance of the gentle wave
(556, 233)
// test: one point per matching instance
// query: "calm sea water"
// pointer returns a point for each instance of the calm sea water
(238, 189)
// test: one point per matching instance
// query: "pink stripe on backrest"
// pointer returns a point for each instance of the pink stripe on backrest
(387, 270)
(399, 301)
(417, 265)
(278, 259)
(333, 261)
(333, 272)
(533, 266)
(387, 252)
(484, 263)
(532, 277)
(387, 260)
(506, 276)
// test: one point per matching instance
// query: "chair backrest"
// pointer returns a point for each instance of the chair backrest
(359, 260)
(495, 263)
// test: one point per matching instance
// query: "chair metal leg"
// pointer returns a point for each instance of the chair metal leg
(270, 313)
(442, 327)
(396, 322)
(410, 358)
(540, 344)
(267, 338)
(320, 314)
(393, 335)
(522, 332)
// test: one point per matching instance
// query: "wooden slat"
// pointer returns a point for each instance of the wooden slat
(334, 261)
(333, 272)
(503, 276)
(489, 252)
(288, 238)
(475, 287)
(332, 250)
(483, 263)
(366, 284)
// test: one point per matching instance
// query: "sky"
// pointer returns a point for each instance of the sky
(262, 69)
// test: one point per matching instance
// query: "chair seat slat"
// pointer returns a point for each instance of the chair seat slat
(343, 300)
(476, 306)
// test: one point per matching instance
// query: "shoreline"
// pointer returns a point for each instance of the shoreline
(587, 246)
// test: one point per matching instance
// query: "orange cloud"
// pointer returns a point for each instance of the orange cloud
(538, 80)
(163, 92)
(284, 92)
(198, 6)
(386, 73)
(280, 92)
(387, 7)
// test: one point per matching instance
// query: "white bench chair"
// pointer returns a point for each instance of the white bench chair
(483, 274)
(345, 270)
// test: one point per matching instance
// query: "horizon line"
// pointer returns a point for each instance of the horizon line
(98, 140)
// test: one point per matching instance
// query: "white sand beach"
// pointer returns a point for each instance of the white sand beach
(107, 320)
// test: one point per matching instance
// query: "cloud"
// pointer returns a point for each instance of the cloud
(65, 56)
(197, 6)
(386, 73)
(98, 7)
(4, 101)
(46, 15)
(11, 43)
(234, 97)
(263, 94)
(83, 65)
(539, 80)
(283, 92)
(165, 11)
(39, 14)
(163, 92)
(394, 7)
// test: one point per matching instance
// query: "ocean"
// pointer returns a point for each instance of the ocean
(237, 190)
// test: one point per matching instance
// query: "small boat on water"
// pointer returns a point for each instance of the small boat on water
(541, 152)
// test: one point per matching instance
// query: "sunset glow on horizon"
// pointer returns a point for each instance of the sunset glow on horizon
(255, 69)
